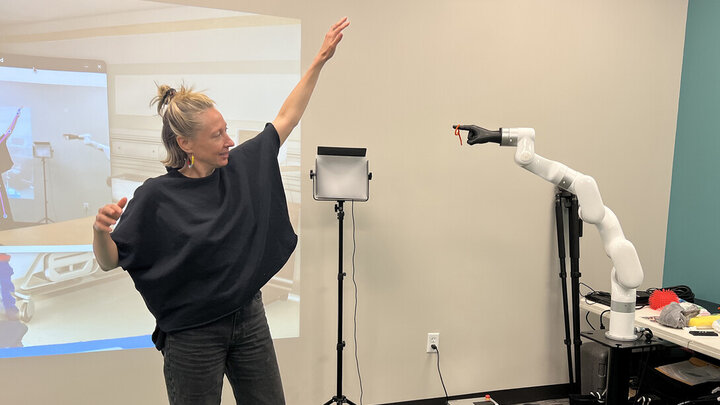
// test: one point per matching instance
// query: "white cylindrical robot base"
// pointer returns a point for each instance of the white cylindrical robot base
(622, 311)
(622, 326)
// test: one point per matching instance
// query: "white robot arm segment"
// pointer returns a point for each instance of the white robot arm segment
(87, 140)
(627, 273)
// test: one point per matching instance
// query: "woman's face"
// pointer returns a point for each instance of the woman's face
(211, 144)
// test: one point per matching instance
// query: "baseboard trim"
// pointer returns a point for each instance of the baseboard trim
(511, 396)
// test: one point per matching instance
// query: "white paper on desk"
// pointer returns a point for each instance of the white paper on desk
(693, 371)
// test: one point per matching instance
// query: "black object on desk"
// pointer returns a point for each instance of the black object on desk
(601, 297)
(703, 333)
(620, 361)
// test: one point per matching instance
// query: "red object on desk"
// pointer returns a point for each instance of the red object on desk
(660, 298)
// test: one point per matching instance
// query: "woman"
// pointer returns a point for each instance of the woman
(6, 163)
(201, 240)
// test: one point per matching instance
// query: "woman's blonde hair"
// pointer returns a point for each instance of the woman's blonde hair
(180, 111)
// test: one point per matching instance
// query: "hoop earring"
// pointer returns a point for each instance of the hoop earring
(191, 161)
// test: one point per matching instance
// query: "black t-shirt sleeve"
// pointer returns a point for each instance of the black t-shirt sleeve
(259, 154)
(264, 144)
(135, 232)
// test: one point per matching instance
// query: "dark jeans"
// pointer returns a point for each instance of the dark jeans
(238, 346)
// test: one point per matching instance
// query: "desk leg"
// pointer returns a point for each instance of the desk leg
(619, 376)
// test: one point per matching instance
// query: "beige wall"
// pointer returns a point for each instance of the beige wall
(456, 240)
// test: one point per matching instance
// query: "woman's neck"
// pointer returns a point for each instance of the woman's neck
(196, 171)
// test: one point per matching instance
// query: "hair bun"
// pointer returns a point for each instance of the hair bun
(165, 93)
(167, 96)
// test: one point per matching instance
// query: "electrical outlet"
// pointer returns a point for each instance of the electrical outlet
(432, 339)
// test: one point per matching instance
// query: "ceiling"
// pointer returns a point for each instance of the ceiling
(18, 12)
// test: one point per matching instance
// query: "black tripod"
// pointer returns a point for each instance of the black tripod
(340, 398)
(565, 199)
(46, 219)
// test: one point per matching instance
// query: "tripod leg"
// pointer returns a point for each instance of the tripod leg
(339, 401)
(563, 282)
(575, 233)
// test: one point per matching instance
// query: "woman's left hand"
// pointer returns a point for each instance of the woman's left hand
(332, 38)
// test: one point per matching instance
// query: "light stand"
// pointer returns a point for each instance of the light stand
(340, 398)
(43, 151)
(341, 174)
(565, 199)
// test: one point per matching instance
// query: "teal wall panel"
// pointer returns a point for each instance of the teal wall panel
(692, 253)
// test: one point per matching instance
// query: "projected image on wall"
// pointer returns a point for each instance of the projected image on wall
(76, 138)
(60, 302)
(15, 161)
(54, 119)
(55, 163)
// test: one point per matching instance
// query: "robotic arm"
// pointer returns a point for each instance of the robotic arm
(627, 273)
(87, 140)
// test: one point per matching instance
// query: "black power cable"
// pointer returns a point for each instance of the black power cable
(601, 318)
(434, 347)
(357, 359)
(588, 320)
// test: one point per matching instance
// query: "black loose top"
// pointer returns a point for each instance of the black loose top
(199, 249)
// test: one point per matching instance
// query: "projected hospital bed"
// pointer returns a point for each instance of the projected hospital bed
(55, 271)
(52, 270)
